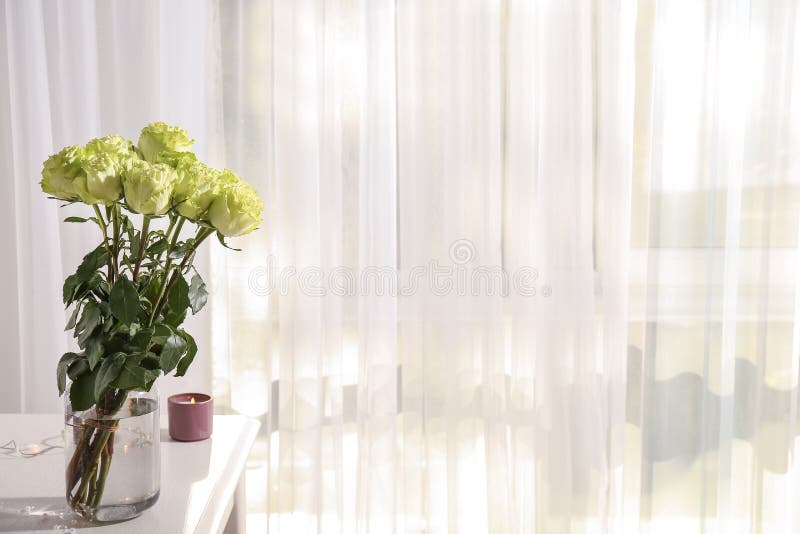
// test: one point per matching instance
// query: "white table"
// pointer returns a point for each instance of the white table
(202, 483)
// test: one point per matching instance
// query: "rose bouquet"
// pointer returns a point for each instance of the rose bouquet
(131, 294)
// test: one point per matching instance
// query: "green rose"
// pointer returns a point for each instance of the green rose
(102, 180)
(173, 159)
(148, 187)
(157, 137)
(236, 208)
(116, 146)
(195, 188)
(60, 171)
(110, 144)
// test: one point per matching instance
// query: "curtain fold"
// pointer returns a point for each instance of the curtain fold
(27, 112)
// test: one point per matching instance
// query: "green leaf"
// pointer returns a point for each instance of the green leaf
(70, 285)
(221, 239)
(161, 333)
(175, 319)
(61, 373)
(127, 224)
(150, 361)
(73, 319)
(180, 250)
(135, 240)
(94, 351)
(115, 343)
(90, 318)
(151, 377)
(178, 298)
(128, 261)
(141, 340)
(94, 284)
(133, 376)
(77, 368)
(124, 301)
(81, 392)
(78, 219)
(174, 347)
(187, 360)
(158, 246)
(198, 295)
(151, 288)
(93, 261)
(108, 372)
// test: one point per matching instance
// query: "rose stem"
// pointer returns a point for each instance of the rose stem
(142, 246)
(201, 236)
(105, 463)
(100, 442)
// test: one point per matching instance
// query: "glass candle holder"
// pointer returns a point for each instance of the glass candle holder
(191, 416)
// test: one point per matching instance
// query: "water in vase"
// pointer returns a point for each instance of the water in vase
(115, 473)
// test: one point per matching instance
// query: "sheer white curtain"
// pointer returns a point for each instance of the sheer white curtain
(714, 324)
(636, 160)
(630, 165)
(71, 71)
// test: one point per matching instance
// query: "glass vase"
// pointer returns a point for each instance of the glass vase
(112, 454)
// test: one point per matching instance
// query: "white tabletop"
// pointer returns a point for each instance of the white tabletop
(198, 479)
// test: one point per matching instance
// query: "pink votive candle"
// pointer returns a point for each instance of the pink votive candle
(191, 416)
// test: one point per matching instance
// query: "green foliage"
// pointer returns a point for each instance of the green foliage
(140, 342)
(79, 219)
(221, 239)
(73, 318)
(124, 301)
(91, 262)
(131, 293)
(188, 358)
(158, 246)
(178, 299)
(198, 295)
(61, 373)
(93, 352)
(108, 372)
(89, 321)
(174, 347)
(134, 375)
(70, 288)
(81, 393)
(128, 329)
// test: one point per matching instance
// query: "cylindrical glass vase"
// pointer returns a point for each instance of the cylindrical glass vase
(113, 455)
